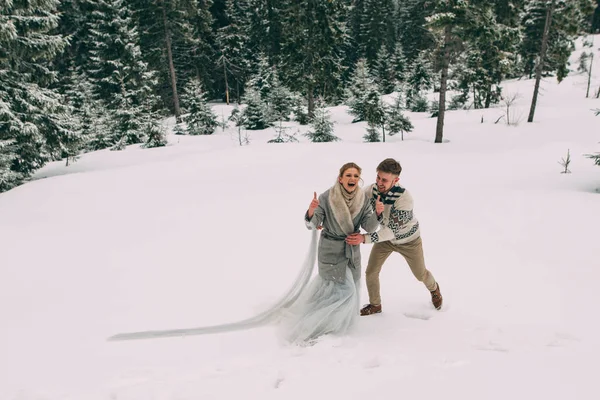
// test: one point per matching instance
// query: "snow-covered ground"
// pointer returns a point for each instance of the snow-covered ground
(205, 231)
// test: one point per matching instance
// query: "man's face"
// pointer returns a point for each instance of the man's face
(385, 181)
(349, 179)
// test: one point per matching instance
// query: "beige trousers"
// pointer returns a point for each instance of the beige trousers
(412, 253)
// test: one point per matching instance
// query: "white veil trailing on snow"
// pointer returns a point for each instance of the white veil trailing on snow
(263, 318)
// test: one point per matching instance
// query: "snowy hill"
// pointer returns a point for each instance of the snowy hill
(206, 231)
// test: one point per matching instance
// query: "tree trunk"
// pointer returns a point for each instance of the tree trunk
(439, 130)
(488, 97)
(540, 65)
(311, 101)
(587, 93)
(226, 83)
(171, 65)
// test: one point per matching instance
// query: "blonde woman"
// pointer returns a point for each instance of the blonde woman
(330, 303)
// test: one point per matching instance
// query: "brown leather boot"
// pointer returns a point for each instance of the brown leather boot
(436, 298)
(370, 309)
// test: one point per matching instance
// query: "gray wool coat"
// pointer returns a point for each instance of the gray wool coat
(334, 254)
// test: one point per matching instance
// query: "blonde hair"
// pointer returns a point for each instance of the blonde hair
(348, 166)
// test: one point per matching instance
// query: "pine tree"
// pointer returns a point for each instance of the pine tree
(455, 22)
(399, 64)
(384, 71)
(75, 15)
(396, 121)
(175, 40)
(361, 83)
(300, 109)
(265, 28)
(156, 135)
(312, 51)
(418, 80)
(280, 100)
(568, 19)
(88, 114)
(33, 124)
(372, 135)
(375, 114)
(264, 77)
(373, 27)
(411, 20)
(239, 120)
(8, 177)
(121, 79)
(256, 114)
(201, 120)
(232, 42)
(321, 127)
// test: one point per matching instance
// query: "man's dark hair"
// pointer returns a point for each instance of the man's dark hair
(390, 166)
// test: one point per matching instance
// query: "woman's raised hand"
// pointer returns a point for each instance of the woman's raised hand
(313, 206)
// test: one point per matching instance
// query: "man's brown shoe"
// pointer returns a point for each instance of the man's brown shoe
(370, 309)
(436, 298)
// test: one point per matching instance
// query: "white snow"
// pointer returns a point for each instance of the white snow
(205, 232)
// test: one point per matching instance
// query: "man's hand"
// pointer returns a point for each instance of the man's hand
(355, 238)
(378, 206)
(313, 206)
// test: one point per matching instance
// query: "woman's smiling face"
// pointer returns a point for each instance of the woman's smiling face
(349, 179)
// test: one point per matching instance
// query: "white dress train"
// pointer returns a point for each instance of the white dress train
(325, 307)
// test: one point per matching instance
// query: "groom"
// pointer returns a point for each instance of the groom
(399, 232)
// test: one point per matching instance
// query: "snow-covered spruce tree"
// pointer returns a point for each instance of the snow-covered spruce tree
(567, 19)
(372, 25)
(277, 98)
(121, 78)
(239, 120)
(256, 113)
(396, 122)
(265, 27)
(280, 101)
(372, 134)
(8, 177)
(384, 71)
(179, 129)
(418, 80)
(156, 136)
(410, 19)
(300, 109)
(321, 127)
(361, 83)
(374, 112)
(234, 54)
(33, 122)
(399, 64)
(264, 77)
(176, 41)
(282, 135)
(200, 118)
(312, 48)
(89, 115)
(488, 55)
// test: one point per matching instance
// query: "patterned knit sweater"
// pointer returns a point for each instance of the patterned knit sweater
(397, 222)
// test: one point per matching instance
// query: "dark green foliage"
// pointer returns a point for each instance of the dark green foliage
(396, 121)
(200, 118)
(321, 127)
(34, 123)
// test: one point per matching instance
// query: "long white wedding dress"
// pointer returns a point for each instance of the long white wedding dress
(324, 307)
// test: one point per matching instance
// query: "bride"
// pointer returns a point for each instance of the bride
(330, 303)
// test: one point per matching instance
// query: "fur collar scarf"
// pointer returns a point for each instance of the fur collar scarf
(345, 206)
